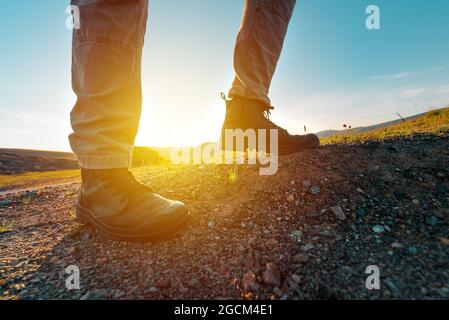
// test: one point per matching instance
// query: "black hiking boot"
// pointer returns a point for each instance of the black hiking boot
(247, 114)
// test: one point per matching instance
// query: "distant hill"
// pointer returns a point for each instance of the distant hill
(16, 161)
(432, 122)
(328, 133)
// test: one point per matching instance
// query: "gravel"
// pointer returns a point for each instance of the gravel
(263, 244)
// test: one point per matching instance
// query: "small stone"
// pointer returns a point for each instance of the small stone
(307, 184)
(163, 284)
(396, 245)
(211, 225)
(301, 258)
(277, 291)
(307, 247)
(413, 250)
(153, 290)
(415, 202)
(249, 282)
(338, 212)
(85, 236)
(99, 294)
(444, 241)
(315, 190)
(290, 198)
(378, 229)
(324, 292)
(297, 234)
(296, 278)
(5, 202)
(250, 261)
(361, 213)
(360, 191)
(272, 275)
(72, 251)
(432, 221)
(292, 182)
(194, 283)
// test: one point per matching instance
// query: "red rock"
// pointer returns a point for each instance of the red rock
(249, 281)
(272, 275)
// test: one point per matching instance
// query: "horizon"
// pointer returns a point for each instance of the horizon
(332, 70)
(193, 146)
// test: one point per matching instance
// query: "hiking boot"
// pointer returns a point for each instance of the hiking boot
(247, 114)
(121, 208)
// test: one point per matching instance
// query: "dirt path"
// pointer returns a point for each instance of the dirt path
(308, 232)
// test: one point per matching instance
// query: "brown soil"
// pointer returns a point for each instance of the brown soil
(394, 201)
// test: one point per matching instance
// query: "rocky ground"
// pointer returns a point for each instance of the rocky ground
(308, 232)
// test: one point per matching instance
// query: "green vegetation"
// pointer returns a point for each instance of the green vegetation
(4, 227)
(144, 156)
(434, 122)
(36, 178)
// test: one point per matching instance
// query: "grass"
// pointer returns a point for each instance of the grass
(4, 227)
(36, 178)
(233, 175)
(434, 122)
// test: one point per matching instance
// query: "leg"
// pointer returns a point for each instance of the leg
(257, 51)
(107, 54)
(259, 45)
(106, 79)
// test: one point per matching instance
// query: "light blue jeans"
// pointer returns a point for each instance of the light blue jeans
(106, 71)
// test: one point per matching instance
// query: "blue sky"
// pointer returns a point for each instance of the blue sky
(332, 70)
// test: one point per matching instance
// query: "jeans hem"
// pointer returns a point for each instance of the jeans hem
(105, 162)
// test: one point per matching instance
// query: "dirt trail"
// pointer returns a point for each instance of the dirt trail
(308, 232)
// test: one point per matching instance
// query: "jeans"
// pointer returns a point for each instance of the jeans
(106, 71)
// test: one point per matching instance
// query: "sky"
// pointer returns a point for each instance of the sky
(332, 71)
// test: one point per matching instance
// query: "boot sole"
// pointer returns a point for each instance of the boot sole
(85, 216)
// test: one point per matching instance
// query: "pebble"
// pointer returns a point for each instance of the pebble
(338, 212)
(85, 236)
(307, 184)
(272, 275)
(277, 291)
(163, 284)
(301, 258)
(361, 213)
(297, 234)
(315, 190)
(296, 278)
(250, 261)
(415, 202)
(5, 202)
(432, 221)
(99, 294)
(413, 250)
(290, 198)
(211, 225)
(396, 245)
(249, 281)
(307, 247)
(378, 229)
